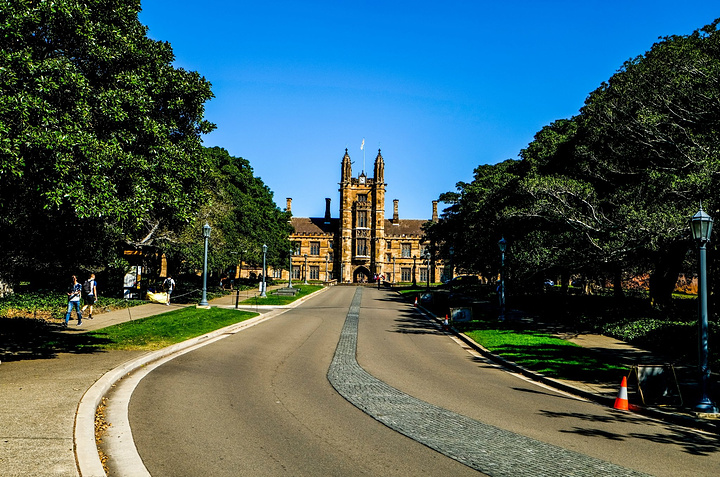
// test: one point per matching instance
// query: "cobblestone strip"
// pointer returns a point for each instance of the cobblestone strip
(486, 448)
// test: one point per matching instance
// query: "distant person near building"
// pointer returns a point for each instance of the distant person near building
(73, 294)
(168, 288)
(89, 294)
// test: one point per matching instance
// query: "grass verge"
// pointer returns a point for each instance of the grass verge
(163, 330)
(277, 300)
(547, 354)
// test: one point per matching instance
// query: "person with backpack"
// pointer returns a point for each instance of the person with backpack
(89, 292)
(73, 294)
(168, 287)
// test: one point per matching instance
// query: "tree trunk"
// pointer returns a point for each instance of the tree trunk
(618, 292)
(664, 278)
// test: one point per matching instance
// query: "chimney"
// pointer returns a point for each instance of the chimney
(435, 215)
(396, 217)
(327, 210)
(288, 205)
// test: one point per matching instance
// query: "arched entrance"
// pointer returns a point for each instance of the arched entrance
(362, 275)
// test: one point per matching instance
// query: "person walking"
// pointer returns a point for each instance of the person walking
(73, 294)
(168, 287)
(89, 292)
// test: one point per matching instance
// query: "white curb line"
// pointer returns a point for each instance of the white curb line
(86, 452)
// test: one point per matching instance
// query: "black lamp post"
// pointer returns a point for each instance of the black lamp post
(502, 245)
(327, 263)
(290, 269)
(262, 294)
(701, 226)
(393, 275)
(305, 282)
(428, 258)
(206, 235)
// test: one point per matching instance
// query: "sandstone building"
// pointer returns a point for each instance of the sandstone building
(361, 242)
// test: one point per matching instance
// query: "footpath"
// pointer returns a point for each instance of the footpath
(39, 398)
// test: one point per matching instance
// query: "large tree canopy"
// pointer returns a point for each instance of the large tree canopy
(243, 216)
(99, 133)
(611, 189)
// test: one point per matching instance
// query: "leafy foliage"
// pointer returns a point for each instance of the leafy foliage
(99, 134)
(606, 194)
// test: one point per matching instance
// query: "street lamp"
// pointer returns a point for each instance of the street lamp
(290, 269)
(327, 262)
(428, 258)
(502, 244)
(305, 282)
(393, 277)
(701, 226)
(206, 235)
(452, 264)
(263, 295)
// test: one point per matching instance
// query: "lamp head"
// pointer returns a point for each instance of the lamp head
(502, 244)
(701, 226)
(206, 230)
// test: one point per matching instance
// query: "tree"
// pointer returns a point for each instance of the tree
(243, 215)
(99, 134)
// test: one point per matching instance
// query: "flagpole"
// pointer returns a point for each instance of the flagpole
(362, 146)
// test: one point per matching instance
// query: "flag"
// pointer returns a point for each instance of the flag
(362, 145)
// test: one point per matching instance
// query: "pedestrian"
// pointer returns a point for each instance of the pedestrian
(89, 294)
(168, 287)
(73, 294)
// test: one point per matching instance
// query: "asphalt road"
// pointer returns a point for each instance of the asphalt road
(260, 403)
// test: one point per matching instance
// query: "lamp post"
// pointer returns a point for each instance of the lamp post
(305, 282)
(327, 263)
(290, 269)
(428, 257)
(502, 244)
(452, 265)
(701, 226)
(262, 294)
(393, 277)
(206, 235)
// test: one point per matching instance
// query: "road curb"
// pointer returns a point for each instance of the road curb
(86, 451)
(673, 418)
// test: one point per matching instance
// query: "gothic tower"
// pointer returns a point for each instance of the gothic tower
(362, 222)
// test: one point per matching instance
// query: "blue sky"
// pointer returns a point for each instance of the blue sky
(440, 87)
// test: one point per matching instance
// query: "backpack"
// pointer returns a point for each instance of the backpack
(87, 287)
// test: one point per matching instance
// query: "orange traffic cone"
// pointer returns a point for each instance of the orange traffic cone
(621, 402)
(415, 302)
(446, 325)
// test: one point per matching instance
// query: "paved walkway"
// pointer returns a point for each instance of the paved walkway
(39, 397)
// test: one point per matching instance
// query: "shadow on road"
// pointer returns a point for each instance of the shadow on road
(24, 339)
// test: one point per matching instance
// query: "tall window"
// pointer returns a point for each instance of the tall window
(314, 273)
(406, 250)
(361, 247)
(330, 244)
(296, 272)
(296, 248)
(314, 248)
(423, 274)
(277, 273)
(362, 218)
(406, 274)
(362, 198)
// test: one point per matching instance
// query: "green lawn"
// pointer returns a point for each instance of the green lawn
(547, 354)
(273, 299)
(164, 330)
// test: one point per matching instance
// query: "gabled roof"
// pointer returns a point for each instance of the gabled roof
(314, 225)
(405, 227)
(317, 226)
